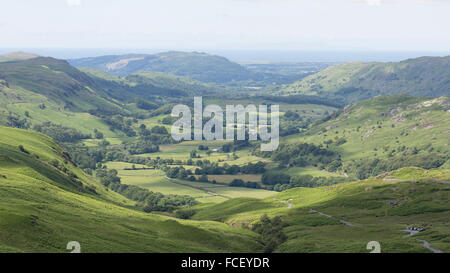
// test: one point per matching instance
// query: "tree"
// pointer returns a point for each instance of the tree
(203, 178)
(159, 130)
(193, 154)
(23, 150)
(237, 183)
(275, 178)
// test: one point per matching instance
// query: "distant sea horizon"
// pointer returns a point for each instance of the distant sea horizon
(245, 56)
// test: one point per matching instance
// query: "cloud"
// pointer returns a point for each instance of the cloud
(373, 2)
(379, 2)
(73, 3)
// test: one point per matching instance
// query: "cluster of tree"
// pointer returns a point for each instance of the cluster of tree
(291, 123)
(286, 130)
(331, 116)
(177, 172)
(142, 146)
(369, 167)
(161, 130)
(168, 120)
(184, 213)
(275, 178)
(103, 110)
(180, 172)
(280, 181)
(120, 123)
(91, 157)
(60, 133)
(148, 200)
(16, 122)
(156, 135)
(303, 99)
(98, 134)
(271, 231)
(203, 148)
(301, 154)
(242, 183)
(290, 115)
(310, 182)
(145, 104)
(193, 154)
(207, 167)
(73, 179)
(236, 145)
(333, 166)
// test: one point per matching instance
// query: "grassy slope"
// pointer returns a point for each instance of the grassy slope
(57, 81)
(19, 94)
(18, 100)
(41, 209)
(375, 127)
(425, 76)
(368, 205)
(172, 81)
(151, 80)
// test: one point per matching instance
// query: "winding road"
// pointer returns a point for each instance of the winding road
(425, 243)
(329, 216)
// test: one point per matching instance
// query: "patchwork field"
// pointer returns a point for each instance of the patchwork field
(42, 209)
(52, 193)
(156, 180)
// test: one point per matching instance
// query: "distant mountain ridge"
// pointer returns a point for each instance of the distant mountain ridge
(350, 82)
(199, 66)
(16, 56)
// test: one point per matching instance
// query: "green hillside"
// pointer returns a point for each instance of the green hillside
(171, 81)
(147, 84)
(383, 134)
(57, 81)
(345, 217)
(199, 66)
(350, 82)
(113, 179)
(48, 90)
(46, 201)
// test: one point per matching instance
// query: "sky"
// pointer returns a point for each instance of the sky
(289, 25)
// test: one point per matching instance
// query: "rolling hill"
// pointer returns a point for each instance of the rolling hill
(57, 81)
(385, 133)
(351, 82)
(395, 149)
(43, 89)
(17, 56)
(199, 66)
(344, 218)
(46, 201)
(147, 84)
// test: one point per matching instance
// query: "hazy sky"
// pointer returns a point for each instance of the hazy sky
(415, 25)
